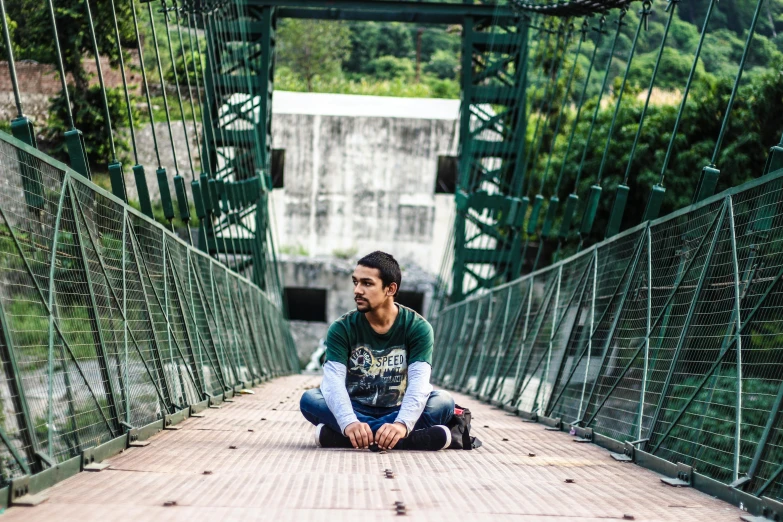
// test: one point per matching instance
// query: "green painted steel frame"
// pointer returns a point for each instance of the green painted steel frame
(705, 224)
(247, 308)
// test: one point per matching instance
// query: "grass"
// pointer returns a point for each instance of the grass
(428, 87)
(159, 109)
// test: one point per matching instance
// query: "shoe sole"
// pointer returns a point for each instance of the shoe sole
(318, 435)
(448, 437)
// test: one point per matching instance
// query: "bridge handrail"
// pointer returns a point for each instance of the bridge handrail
(111, 327)
(661, 342)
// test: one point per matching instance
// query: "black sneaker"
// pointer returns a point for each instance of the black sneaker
(326, 437)
(429, 439)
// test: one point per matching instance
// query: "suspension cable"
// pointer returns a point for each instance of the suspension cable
(688, 84)
(60, 66)
(206, 173)
(145, 83)
(725, 125)
(600, 31)
(569, 83)
(539, 80)
(196, 75)
(545, 101)
(11, 63)
(163, 86)
(176, 83)
(643, 22)
(187, 76)
(520, 173)
(106, 111)
(550, 101)
(670, 7)
(124, 82)
(590, 129)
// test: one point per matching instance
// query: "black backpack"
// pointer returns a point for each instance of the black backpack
(460, 430)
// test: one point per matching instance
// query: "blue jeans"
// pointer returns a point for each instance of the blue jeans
(439, 410)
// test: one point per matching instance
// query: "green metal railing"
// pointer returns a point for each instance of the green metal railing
(111, 327)
(663, 341)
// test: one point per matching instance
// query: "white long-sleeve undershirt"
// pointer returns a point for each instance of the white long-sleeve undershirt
(413, 402)
(336, 394)
(416, 394)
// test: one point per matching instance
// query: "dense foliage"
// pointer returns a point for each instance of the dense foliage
(33, 38)
(396, 59)
(751, 128)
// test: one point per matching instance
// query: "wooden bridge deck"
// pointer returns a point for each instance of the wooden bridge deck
(275, 473)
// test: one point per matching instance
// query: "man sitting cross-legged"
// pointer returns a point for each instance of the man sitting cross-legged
(376, 390)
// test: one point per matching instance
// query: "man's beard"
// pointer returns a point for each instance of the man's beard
(367, 308)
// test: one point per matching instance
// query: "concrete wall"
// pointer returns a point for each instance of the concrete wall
(361, 181)
(147, 157)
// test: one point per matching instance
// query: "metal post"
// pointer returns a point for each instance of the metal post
(194, 371)
(165, 310)
(94, 315)
(464, 307)
(199, 342)
(487, 327)
(738, 348)
(459, 383)
(520, 386)
(517, 375)
(21, 409)
(555, 328)
(50, 353)
(503, 347)
(205, 305)
(643, 396)
(685, 327)
(615, 321)
(166, 401)
(112, 295)
(571, 338)
(557, 323)
(125, 310)
(590, 337)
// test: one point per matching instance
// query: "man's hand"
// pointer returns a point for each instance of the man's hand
(360, 434)
(388, 435)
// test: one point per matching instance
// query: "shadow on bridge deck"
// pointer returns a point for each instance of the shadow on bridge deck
(276, 473)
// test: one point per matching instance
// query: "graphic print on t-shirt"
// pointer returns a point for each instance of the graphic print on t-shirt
(377, 377)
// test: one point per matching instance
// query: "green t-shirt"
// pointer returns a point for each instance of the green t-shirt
(378, 363)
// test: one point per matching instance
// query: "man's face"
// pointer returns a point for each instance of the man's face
(368, 290)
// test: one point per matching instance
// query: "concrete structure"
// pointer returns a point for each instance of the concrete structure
(360, 176)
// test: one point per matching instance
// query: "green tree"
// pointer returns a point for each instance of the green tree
(391, 67)
(34, 32)
(34, 38)
(311, 48)
(443, 64)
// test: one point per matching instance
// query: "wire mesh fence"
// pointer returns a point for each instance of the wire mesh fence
(669, 335)
(108, 321)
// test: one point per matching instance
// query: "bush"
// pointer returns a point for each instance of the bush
(443, 64)
(89, 117)
(390, 68)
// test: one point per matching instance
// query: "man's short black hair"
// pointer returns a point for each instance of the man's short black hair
(386, 264)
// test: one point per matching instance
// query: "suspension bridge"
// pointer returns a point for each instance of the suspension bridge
(160, 362)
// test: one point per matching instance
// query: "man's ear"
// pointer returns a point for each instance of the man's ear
(391, 289)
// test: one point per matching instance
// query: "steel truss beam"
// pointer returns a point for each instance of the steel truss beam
(387, 11)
